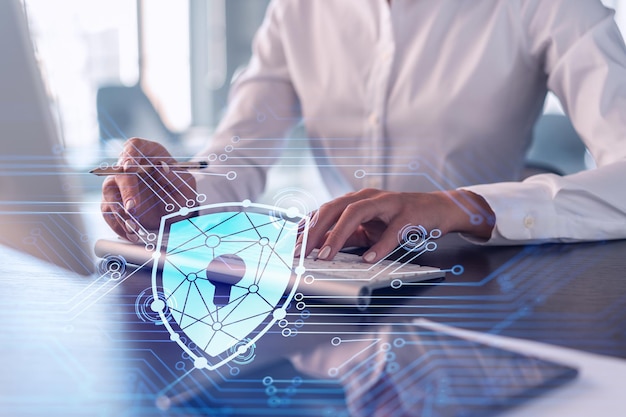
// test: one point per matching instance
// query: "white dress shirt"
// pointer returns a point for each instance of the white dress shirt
(435, 94)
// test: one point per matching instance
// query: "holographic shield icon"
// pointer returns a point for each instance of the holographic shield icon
(225, 276)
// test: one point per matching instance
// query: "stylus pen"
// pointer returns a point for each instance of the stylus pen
(115, 169)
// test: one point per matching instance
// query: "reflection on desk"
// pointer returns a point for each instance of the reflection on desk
(76, 346)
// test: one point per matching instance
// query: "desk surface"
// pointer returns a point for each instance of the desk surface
(77, 346)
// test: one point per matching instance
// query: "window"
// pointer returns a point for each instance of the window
(165, 64)
(85, 44)
(82, 44)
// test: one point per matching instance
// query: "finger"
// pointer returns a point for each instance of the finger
(329, 214)
(111, 207)
(138, 153)
(137, 194)
(151, 160)
(111, 218)
(132, 156)
(304, 227)
(348, 223)
(152, 201)
(179, 186)
(164, 192)
(324, 220)
(386, 244)
(124, 228)
(144, 192)
(114, 214)
(359, 239)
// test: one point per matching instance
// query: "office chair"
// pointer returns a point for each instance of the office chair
(556, 147)
(125, 111)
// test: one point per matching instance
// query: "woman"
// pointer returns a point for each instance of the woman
(420, 113)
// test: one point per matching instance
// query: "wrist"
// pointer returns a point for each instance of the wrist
(468, 213)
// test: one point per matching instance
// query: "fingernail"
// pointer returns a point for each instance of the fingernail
(133, 238)
(297, 250)
(369, 256)
(324, 252)
(130, 225)
(165, 167)
(130, 204)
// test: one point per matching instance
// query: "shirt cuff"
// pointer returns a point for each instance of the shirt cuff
(524, 213)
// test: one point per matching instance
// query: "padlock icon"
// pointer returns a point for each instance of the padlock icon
(225, 275)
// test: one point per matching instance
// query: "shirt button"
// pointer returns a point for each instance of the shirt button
(374, 119)
(529, 222)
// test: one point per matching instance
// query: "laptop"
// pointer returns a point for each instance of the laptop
(39, 213)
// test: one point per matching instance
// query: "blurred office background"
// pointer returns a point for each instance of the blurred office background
(182, 54)
(175, 58)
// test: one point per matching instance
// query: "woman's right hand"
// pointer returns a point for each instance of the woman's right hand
(145, 189)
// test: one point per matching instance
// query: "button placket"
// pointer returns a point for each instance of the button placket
(381, 72)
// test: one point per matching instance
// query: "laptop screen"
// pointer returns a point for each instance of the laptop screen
(38, 212)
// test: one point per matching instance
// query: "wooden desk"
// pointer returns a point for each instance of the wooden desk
(76, 346)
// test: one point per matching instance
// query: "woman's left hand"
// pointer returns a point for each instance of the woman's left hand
(375, 218)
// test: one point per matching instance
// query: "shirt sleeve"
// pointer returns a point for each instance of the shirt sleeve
(262, 108)
(578, 45)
